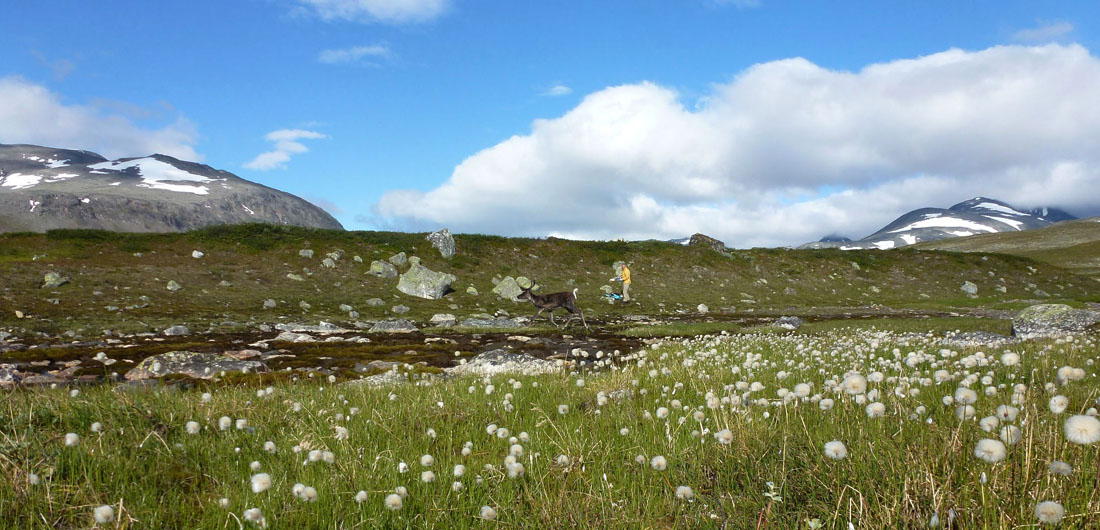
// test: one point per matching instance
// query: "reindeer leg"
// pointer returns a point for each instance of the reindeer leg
(582, 319)
(534, 317)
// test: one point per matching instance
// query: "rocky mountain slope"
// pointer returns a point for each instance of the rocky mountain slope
(43, 188)
(979, 215)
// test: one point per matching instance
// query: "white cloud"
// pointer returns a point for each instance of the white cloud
(753, 163)
(386, 11)
(286, 144)
(558, 90)
(32, 114)
(1044, 32)
(353, 55)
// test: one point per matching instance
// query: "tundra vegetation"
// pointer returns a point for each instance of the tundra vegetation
(720, 420)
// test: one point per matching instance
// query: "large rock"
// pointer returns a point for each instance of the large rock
(53, 280)
(192, 364)
(1046, 320)
(382, 269)
(489, 323)
(443, 241)
(501, 361)
(176, 331)
(508, 288)
(423, 282)
(399, 259)
(788, 323)
(970, 288)
(707, 241)
(394, 326)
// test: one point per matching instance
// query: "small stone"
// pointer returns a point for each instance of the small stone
(702, 308)
(357, 259)
(174, 286)
(400, 309)
(197, 254)
(269, 303)
(471, 290)
(328, 263)
(224, 283)
(295, 277)
(306, 253)
(176, 331)
(345, 308)
(970, 288)
(304, 305)
(376, 302)
(53, 280)
(399, 259)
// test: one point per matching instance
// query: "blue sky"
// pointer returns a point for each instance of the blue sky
(407, 114)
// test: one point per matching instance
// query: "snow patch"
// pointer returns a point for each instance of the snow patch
(85, 200)
(884, 245)
(960, 233)
(909, 238)
(115, 183)
(54, 163)
(34, 204)
(998, 208)
(19, 181)
(945, 222)
(249, 210)
(1011, 222)
(157, 175)
(60, 177)
(97, 172)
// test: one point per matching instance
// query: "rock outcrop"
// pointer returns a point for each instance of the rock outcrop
(443, 241)
(1048, 320)
(423, 282)
(191, 364)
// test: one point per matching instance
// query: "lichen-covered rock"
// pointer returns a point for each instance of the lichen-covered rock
(788, 323)
(270, 303)
(1045, 320)
(394, 326)
(508, 288)
(328, 263)
(423, 282)
(400, 309)
(382, 269)
(489, 323)
(707, 241)
(375, 302)
(471, 290)
(295, 277)
(399, 259)
(501, 361)
(192, 364)
(443, 241)
(53, 280)
(443, 319)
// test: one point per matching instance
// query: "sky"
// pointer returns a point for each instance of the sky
(759, 122)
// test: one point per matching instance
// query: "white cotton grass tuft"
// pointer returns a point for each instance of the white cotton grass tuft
(261, 482)
(255, 465)
(427, 476)
(254, 515)
(1007, 412)
(193, 427)
(724, 436)
(825, 404)
(97, 427)
(488, 513)
(563, 409)
(875, 410)
(1082, 430)
(224, 423)
(684, 493)
(854, 384)
(103, 514)
(1011, 434)
(1059, 467)
(1058, 404)
(658, 463)
(393, 501)
(72, 439)
(361, 497)
(990, 450)
(836, 450)
(1049, 512)
(965, 396)
(427, 460)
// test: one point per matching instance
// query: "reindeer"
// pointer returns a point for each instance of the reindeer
(552, 301)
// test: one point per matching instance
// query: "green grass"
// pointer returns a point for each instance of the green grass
(679, 329)
(899, 471)
(938, 325)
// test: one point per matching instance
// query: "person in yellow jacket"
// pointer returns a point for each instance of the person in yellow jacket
(625, 277)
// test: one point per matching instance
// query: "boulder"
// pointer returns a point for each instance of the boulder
(192, 364)
(423, 282)
(970, 288)
(702, 308)
(328, 263)
(394, 326)
(489, 323)
(502, 361)
(707, 241)
(788, 322)
(443, 241)
(471, 290)
(508, 288)
(306, 253)
(53, 280)
(973, 339)
(382, 269)
(443, 319)
(375, 302)
(1046, 320)
(270, 303)
(400, 309)
(9, 376)
(399, 259)
(176, 331)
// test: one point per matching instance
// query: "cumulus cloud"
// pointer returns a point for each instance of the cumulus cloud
(788, 151)
(558, 90)
(385, 11)
(354, 54)
(286, 144)
(1044, 32)
(33, 114)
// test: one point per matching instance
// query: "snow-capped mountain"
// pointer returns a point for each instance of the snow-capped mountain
(979, 215)
(42, 188)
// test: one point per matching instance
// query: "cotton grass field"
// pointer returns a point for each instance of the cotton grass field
(841, 429)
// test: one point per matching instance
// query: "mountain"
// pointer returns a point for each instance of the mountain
(43, 188)
(979, 215)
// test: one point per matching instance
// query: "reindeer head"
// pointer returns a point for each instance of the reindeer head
(525, 293)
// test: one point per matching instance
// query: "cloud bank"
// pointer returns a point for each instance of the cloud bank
(385, 11)
(32, 114)
(787, 152)
(286, 145)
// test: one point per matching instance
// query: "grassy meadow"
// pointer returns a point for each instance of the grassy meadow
(742, 419)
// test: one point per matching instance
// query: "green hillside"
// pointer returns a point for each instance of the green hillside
(118, 281)
(1072, 245)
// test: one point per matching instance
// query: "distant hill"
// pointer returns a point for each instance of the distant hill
(1074, 245)
(979, 215)
(43, 188)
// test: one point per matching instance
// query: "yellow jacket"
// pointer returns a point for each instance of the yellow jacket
(625, 275)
